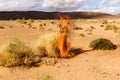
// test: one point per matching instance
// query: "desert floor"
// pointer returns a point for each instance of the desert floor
(88, 65)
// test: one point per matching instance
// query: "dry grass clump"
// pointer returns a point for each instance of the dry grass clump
(92, 27)
(82, 35)
(111, 27)
(16, 53)
(102, 44)
(47, 45)
(44, 77)
(104, 21)
(41, 26)
(28, 23)
(77, 28)
(2, 27)
(101, 25)
(53, 22)
(21, 21)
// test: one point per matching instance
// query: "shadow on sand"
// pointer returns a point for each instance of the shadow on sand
(77, 51)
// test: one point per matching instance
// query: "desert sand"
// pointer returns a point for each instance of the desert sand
(87, 65)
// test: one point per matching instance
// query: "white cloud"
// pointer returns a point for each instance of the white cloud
(113, 2)
(110, 10)
(63, 5)
(17, 5)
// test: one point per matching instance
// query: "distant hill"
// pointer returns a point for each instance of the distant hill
(6, 15)
(117, 16)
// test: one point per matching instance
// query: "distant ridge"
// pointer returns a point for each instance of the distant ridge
(7, 15)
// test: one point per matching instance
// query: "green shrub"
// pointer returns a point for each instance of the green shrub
(16, 53)
(47, 45)
(102, 44)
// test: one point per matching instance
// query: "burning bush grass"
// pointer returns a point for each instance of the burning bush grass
(16, 53)
(47, 45)
(102, 44)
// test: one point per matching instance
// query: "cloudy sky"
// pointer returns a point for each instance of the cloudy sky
(107, 6)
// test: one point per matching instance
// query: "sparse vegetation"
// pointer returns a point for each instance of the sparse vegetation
(104, 22)
(30, 20)
(77, 28)
(102, 44)
(41, 26)
(92, 27)
(52, 22)
(111, 27)
(2, 27)
(21, 21)
(82, 35)
(10, 26)
(16, 53)
(44, 77)
(101, 25)
(47, 45)
(44, 24)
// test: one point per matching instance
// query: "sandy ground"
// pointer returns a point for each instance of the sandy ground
(88, 65)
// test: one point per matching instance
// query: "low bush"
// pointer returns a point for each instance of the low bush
(16, 53)
(47, 45)
(101, 25)
(102, 44)
(2, 27)
(104, 22)
(111, 27)
(92, 27)
(77, 28)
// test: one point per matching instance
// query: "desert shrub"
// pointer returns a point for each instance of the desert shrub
(29, 25)
(10, 26)
(82, 35)
(16, 53)
(111, 27)
(44, 24)
(102, 44)
(115, 28)
(2, 27)
(44, 77)
(92, 27)
(77, 28)
(41, 26)
(104, 22)
(108, 27)
(30, 20)
(59, 25)
(101, 25)
(21, 21)
(47, 45)
(52, 22)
